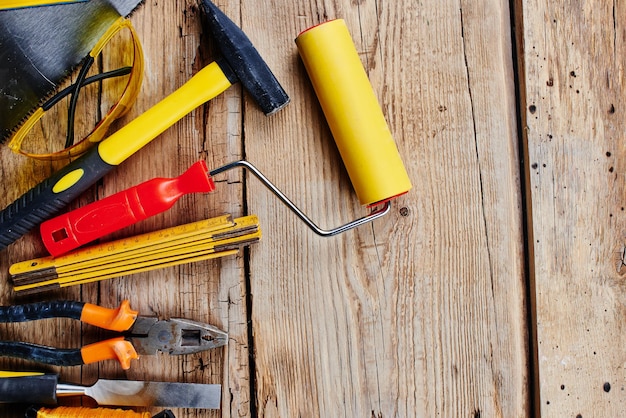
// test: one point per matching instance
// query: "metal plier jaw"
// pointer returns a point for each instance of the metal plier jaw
(139, 335)
(175, 336)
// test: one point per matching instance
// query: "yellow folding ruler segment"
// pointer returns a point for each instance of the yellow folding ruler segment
(202, 240)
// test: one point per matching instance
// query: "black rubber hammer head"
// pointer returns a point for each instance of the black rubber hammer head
(245, 61)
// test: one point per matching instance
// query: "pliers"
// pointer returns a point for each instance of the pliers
(140, 335)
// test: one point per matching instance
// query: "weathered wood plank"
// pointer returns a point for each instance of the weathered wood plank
(421, 314)
(574, 95)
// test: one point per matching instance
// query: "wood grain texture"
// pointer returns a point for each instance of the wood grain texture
(574, 95)
(422, 313)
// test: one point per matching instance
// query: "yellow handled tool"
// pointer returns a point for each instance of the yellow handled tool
(83, 412)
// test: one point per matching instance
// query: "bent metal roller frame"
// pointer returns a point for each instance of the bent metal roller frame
(356, 121)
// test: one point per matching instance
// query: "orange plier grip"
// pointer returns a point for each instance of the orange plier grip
(118, 319)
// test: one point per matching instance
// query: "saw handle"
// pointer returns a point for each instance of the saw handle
(88, 223)
(37, 389)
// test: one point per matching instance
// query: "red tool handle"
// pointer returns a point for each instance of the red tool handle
(73, 229)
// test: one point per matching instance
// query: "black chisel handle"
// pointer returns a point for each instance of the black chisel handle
(39, 389)
(50, 196)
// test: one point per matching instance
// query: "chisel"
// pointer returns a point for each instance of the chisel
(45, 389)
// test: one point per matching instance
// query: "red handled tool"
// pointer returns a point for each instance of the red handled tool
(88, 223)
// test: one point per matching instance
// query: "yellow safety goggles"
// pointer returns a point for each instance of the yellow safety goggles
(44, 145)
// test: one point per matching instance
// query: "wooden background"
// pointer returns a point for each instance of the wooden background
(495, 288)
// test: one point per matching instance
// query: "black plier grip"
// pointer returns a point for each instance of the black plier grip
(119, 319)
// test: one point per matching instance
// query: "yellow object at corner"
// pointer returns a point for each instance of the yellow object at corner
(4, 374)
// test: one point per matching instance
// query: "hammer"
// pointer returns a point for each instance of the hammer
(239, 61)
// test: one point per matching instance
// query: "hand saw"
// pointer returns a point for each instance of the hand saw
(39, 48)
(18, 4)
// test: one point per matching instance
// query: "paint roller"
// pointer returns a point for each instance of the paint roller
(354, 116)
(356, 121)
(357, 124)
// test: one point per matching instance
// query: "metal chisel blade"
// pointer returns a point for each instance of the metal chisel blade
(164, 394)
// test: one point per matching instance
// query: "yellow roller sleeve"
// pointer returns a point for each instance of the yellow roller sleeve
(353, 113)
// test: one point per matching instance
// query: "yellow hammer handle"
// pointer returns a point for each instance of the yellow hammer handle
(202, 87)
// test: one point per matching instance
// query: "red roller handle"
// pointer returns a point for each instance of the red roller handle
(73, 229)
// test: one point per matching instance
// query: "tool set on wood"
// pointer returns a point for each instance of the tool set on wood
(350, 107)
